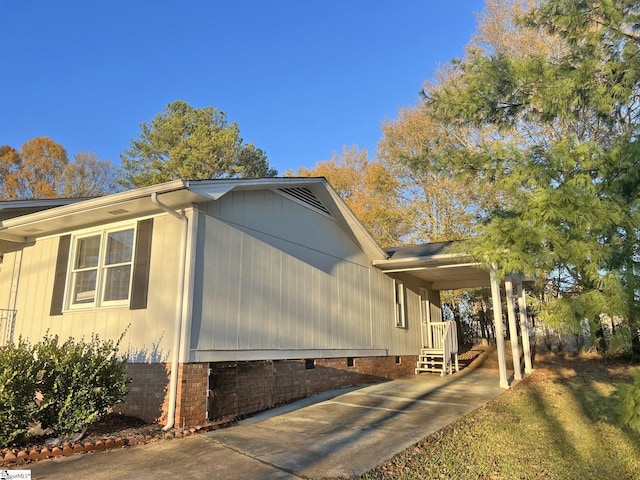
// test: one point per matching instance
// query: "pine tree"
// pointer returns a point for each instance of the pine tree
(565, 155)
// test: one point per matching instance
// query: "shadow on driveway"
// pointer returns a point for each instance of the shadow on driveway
(339, 433)
(356, 430)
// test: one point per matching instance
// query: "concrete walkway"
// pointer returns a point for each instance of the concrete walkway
(339, 433)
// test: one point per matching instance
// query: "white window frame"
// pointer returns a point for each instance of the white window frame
(101, 268)
(400, 302)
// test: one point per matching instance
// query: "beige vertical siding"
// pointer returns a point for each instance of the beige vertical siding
(270, 276)
(435, 305)
(275, 275)
(149, 335)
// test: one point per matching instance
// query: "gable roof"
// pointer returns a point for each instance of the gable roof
(315, 193)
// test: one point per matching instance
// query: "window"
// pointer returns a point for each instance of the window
(102, 263)
(401, 302)
(103, 268)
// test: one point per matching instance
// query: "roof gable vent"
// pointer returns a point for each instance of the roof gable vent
(305, 196)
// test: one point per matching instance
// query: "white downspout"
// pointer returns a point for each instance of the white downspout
(179, 317)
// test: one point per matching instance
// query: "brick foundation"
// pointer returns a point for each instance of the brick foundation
(191, 403)
(242, 388)
(147, 394)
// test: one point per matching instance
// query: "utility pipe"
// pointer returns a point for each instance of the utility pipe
(179, 317)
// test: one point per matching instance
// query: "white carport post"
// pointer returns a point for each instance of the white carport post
(497, 321)
(513, 327)
(524, 325)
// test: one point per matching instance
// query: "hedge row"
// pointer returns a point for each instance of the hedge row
(62, 386)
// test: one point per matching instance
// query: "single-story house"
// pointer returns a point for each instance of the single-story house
(236, 295)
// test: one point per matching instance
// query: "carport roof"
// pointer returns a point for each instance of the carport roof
(437, 264)
(422, 250)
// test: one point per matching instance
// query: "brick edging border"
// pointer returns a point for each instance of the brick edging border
(9, 456)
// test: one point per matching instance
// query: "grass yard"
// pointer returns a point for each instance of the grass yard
(560, 422)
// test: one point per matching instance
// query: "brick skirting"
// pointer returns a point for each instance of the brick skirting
(147, 395)
(242, 388)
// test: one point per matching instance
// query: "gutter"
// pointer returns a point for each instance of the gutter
(180, 319)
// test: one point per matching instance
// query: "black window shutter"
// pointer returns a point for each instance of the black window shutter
(60, 278)
(142, 262)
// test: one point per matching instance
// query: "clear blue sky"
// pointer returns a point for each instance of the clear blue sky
(302, 78)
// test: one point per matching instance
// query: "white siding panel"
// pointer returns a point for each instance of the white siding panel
(274, 275)
(149, 331)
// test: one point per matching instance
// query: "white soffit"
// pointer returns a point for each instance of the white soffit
(107, 209)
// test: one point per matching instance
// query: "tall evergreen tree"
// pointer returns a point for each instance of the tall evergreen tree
(191, 144)
(565, 155)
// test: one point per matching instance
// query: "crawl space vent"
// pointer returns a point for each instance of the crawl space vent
(305, 196)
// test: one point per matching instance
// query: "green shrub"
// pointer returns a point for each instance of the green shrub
(76, 383)
(629, 398)
(20, 375)
(82, 381)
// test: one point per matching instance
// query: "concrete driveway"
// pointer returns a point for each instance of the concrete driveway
(338, 433)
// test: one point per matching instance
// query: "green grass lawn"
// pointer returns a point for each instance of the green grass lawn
(560, 422)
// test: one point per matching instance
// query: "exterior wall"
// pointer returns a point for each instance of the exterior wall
(413, 287)
(26, 285)
(147, 396)
(436, 306)
(147, 393)
(241, 388)
(275, 280)
(191, 405)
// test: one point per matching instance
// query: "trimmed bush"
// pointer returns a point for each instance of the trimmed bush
(20, 377)
(64, 387)
(81, 382)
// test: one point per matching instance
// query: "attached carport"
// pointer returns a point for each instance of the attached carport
(443, 269)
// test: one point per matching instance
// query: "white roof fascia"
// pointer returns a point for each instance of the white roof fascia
(202, 190)
(215, 189)
(94, 203)
(55, 202)
(433, 259)
(212, 192)
(8, 237)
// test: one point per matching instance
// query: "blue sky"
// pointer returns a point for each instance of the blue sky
(301, 78)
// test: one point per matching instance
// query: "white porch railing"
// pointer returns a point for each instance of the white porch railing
(443, 352)
(7, 325)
